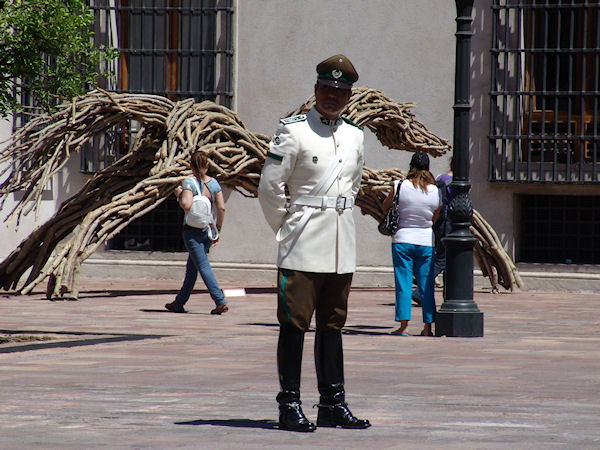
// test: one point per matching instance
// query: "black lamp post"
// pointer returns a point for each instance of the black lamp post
(459, 316)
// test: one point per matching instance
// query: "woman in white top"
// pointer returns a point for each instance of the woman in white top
(412, 244)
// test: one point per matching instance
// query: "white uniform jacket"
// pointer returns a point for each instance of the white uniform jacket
(301, 151)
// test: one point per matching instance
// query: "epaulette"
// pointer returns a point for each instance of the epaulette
(352, 123)
(293, 119)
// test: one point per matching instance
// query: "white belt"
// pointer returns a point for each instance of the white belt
(323, 202)
(315, 199)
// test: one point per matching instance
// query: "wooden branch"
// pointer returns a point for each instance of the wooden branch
(157, 160)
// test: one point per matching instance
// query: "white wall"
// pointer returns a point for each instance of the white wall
(403, 48)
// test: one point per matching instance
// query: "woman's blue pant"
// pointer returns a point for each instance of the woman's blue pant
(198, 243)
(412, 259)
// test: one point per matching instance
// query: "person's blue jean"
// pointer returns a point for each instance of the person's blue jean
(409, 259)
(198, 243)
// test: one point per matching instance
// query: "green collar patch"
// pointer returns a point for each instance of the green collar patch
(274, 156)
(352, 123)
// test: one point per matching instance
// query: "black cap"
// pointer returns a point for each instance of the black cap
(420, 161)
(337, 71)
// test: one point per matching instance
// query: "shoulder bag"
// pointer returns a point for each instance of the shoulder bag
(389, 224)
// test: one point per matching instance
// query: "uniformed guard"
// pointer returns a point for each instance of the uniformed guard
(318, 157)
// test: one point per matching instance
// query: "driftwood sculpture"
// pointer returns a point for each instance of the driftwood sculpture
(155, 162)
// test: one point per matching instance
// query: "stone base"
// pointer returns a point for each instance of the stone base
(459, 324)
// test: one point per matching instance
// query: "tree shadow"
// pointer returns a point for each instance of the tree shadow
(265, 424)
(85, 339)
(127, 292)
(93, 293)
(87, 294)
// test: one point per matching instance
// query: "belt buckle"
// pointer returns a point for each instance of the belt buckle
(340, 204)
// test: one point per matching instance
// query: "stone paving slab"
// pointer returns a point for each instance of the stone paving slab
(121, 373)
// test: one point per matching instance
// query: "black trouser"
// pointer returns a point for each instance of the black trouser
(329, 364)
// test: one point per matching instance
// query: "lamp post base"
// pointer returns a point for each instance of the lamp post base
(459, 324)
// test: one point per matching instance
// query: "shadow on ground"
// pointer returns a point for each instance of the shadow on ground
(236, 423)
(154, 292)
(70, 339)
(370, 330)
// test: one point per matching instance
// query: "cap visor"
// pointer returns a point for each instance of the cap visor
(334, 83)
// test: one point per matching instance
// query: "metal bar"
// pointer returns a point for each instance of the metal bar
(190, 20)
(201, 67)
(493, 99)
(556, 104)
(140, 37)
(531, 97)
(154, 60)
(544, 87)
(504, 96)
(568, 168)
(595, 117)
(229, 58)
(582, 98)
(216, 8)
(518, 98)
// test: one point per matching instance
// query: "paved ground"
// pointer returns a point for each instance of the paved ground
(120, 372)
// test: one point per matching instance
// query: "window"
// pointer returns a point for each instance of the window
(158, 230)
(545, 100)
(176, 48)
(559, 229)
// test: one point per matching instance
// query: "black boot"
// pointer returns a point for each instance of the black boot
(338, 415)
(329, 362)
(291, 417)
(289, 364)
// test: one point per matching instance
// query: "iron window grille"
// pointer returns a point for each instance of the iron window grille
(563, 229)
(545, 99)
(176, 48)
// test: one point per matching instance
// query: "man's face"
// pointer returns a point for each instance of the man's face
(330, 101)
